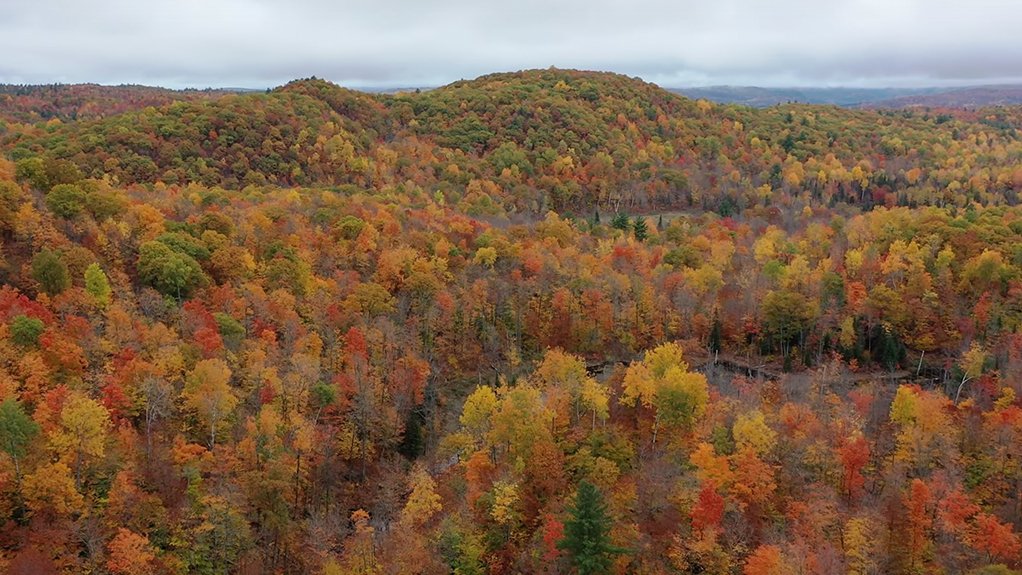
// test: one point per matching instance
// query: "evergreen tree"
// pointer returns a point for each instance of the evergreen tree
(716, 333)
(587, 532)
(640, 228)
(620, 222)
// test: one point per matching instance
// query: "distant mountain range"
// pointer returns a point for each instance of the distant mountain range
(966, 97)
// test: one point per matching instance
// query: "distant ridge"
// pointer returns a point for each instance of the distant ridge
(971, 98)
(68, 102)
(758, 97)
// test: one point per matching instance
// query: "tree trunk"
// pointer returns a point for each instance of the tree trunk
(965, 380)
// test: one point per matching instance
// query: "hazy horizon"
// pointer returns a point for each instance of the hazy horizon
(400, 87)
(397, 43)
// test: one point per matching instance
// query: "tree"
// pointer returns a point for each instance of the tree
(972, 366)
(520, 422)
(66, 200)
(681, 397)
(50, 271)
(16, 432)
(208, 392)
(766, 560)
(130, 554)
(923, 418)
(754, 483)
(919, 519)
(787, 315)
(565, 374)
(33, 561)
(859, 543)
(11, 199)
(360, 548)
(168, 271)
(710, 467)
(751, 431)
(587, 532)
(97, 284)
(155, 396)
(423, 503)
(478, 410)
(370, 299)
(25, 331)
(52, 489)
(995, 539)
(994, 570)
(708, 510)
(82, 434)
(854, 456)
(506, 502)
(485, 256)
(463, 549)
(640, 229)
(662, 381)
(620, 222)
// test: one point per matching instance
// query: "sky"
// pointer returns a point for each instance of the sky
(412, 43)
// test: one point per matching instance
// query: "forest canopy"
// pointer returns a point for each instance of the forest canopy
(541, 322)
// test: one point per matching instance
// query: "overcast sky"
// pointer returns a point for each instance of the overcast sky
(402, 43)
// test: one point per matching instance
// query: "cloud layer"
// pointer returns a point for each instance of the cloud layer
(387, 43)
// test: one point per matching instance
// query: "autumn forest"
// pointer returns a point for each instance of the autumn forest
(548, 322)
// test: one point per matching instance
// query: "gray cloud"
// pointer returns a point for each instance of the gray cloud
(260, 43)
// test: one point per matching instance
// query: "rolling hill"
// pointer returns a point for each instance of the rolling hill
(563, 139)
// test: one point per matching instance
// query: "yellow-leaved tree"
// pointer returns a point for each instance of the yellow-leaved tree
(562, 375)
(52, 490)
(424, 502)
(661, 382)
(751, 432)
(82, 434)
(208, 392)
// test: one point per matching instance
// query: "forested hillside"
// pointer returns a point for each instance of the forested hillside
(541, 322)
